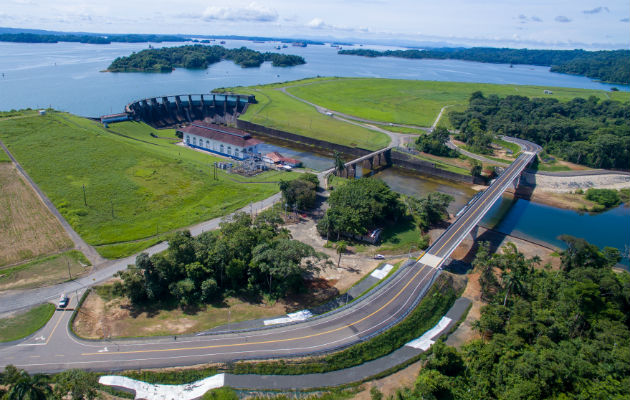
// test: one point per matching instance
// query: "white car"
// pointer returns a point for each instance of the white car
(63, 301)
(379, 257)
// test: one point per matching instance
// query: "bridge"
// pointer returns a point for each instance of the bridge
(53, 349)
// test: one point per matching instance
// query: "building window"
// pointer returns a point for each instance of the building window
(236, 153)
(194, 141)
(187, 139)
(221, 149)
(229, 151)
(207, 144)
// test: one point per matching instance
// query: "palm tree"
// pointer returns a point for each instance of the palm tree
(339, 164)
(30, 388)
(341, 248)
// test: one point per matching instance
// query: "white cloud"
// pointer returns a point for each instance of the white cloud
(253, 12)
(562, 18)
(317, 23)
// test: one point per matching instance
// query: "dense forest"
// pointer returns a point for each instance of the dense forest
(91, 39)
(245, 257)
(198, 57)
(365, 204)
(608, 66)
(584, 131)
(545, 334)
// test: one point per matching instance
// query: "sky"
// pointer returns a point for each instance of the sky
(588, 24)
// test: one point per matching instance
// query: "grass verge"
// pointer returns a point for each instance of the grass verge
(44, 271)
(21, 325)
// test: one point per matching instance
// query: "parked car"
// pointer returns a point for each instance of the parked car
(379, 257)
(63, 301)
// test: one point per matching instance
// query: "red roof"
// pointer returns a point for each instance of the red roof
(221, 133)
(279, 158)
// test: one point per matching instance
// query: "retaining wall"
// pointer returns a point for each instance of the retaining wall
(410, 162)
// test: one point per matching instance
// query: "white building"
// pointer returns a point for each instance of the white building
(219, 139)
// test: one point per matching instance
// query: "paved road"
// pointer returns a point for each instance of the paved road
(51, 350)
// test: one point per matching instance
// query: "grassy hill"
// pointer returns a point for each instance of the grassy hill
(137, 187)
(417, 102)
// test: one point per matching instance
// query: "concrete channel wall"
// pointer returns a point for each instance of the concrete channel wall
(398, 159)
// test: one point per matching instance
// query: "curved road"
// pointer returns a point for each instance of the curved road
(54, 348)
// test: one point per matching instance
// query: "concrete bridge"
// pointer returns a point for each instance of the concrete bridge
(372, 162)
(171, 110)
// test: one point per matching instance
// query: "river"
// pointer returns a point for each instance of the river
(523, 218)
(68, 77)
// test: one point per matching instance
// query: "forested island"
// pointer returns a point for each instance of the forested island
(197, 56)
(608, 66)
(90, 39)
(584, 131)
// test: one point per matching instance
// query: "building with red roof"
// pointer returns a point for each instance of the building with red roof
(219, 139)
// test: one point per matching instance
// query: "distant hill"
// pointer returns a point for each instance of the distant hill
(608, 66)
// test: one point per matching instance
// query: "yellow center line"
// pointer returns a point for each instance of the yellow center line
(272, 341)
(301, 337)
(56, 325)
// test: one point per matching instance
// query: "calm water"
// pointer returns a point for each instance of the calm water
(67, 76)
(523, 218)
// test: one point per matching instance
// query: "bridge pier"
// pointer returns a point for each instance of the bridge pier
(474, 232)
(516, 182)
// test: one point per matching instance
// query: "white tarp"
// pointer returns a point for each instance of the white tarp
(425, 341)
(382, 272)
(151, 391)
(293, 317)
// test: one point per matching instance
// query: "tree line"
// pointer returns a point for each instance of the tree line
(90, 39)
(545, 333)
(247, 256)
(198, 56)
(605, 65)
(589, 131)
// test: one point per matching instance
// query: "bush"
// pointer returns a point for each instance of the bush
(606, 198)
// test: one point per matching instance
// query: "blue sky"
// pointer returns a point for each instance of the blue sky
(534, 24)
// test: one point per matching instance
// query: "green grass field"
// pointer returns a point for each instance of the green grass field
(21, 325)
(4, 157)
(277, 110)
(44, 271)
(136, 186)
(417, 102)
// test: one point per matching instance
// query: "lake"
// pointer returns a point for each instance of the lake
(66, 76)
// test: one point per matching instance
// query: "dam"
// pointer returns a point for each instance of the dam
(165, 111)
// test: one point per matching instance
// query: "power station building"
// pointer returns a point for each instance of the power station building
(221, 140)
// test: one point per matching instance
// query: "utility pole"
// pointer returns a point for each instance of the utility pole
(68, 263)
(84, 198)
